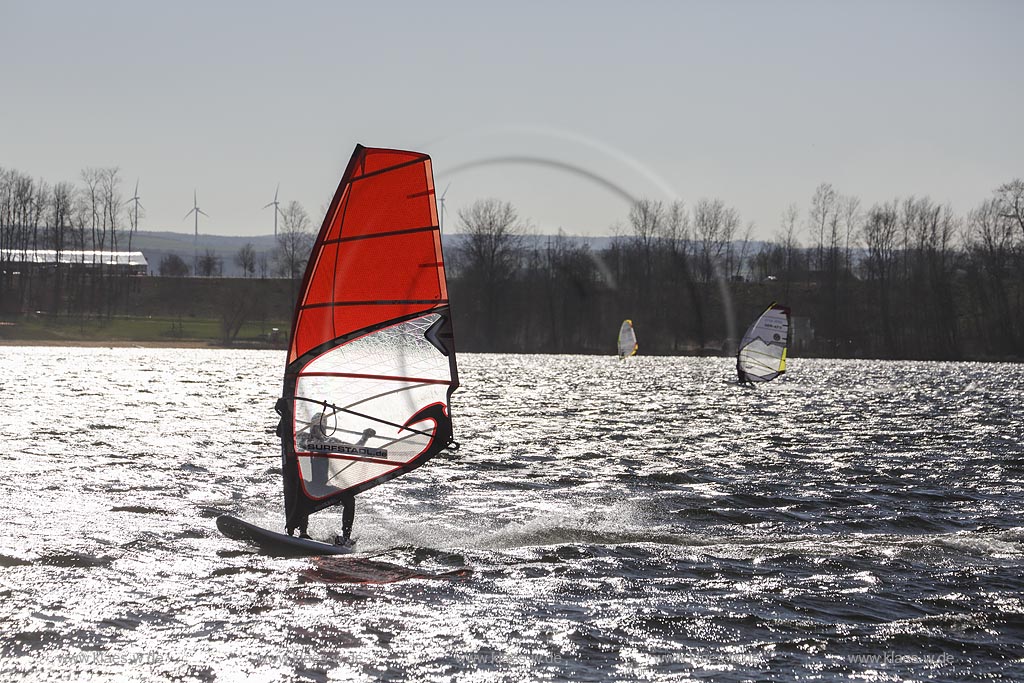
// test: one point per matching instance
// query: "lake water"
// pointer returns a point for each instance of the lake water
(604, 520)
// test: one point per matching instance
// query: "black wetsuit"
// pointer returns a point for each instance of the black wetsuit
(348, 514)
(295, 520)
(299, 519)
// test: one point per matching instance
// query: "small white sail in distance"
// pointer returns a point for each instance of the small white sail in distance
(627, 339)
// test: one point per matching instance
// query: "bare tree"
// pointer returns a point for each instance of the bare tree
(926, 291)
(821, 219)
(730, 224)
(989, 237)
(851, 216)
(210, 265)
(172, 265)
(246, 259)
(6, 217)
(880, 238)
(1010, 199)
(92, 203)
(706, 221)
(788, 238)
(558, 277)
(741, 258)
(62, 206)
(491, 249)
(646, 218)
(24, 194)
(675, 229)
(714, 227)
(239, 302)
(493, 238)
(112, 206)
(81, 220)
(990, 234)
(35, 230)
(6, 234)
(294, 241)
(41, 198)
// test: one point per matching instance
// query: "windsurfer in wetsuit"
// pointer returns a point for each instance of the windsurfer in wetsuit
(744, 380)
(319, 473)
(346, 500)
(290, 471)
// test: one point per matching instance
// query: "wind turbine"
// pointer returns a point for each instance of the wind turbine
(135, 218)
(195, 240)
(441, 200)
(277, 210)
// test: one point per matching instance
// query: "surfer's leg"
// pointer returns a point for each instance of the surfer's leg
(348, 516)
(301, 523)
(294, 517)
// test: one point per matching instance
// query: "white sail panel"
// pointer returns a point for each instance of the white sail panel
(358, 400)
(323, 477)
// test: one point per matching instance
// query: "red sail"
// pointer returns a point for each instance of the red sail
(378, 254)
(371, 361)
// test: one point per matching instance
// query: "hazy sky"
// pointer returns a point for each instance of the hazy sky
(753, 102)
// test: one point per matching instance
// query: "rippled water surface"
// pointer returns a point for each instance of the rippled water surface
(604, 520)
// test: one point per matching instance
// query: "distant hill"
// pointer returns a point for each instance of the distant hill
(156, 245)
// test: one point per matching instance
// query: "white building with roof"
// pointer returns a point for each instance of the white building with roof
(132, 262)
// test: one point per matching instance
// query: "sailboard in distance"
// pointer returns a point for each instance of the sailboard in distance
(765, 345)
(627, 344)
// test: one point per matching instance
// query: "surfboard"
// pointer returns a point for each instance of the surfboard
(277, 543)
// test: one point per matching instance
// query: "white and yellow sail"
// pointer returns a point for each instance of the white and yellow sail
(763, 349)
(627, 339)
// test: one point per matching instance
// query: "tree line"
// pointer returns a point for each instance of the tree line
(901, 278)
(94, 215)
(905, 278)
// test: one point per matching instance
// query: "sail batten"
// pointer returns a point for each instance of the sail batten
(407, 231)
(372, 328)
(763, 349)
(421, 380)
(382, 302)
(370, 174)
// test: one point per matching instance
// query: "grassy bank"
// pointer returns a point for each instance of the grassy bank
(168, 331)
